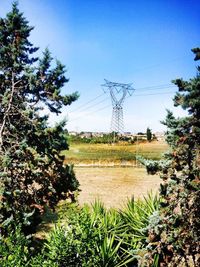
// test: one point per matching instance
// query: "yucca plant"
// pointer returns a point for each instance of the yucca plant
(111, 254)
(133, 227)
(94, 236)
(135, 215)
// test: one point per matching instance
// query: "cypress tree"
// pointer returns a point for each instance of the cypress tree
(32, 171)
(149, 134)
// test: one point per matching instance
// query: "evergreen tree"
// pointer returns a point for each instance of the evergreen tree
(149, 134)
(175, 236)
(32, 171)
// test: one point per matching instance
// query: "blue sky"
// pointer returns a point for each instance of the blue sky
(146, 43)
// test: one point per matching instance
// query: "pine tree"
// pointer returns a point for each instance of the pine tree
(32, 171)
(175, 237)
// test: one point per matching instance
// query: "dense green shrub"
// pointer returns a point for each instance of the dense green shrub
(15, 249)
(93, 236)
(89, 236)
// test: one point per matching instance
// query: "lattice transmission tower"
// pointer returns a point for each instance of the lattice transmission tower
(121, 89)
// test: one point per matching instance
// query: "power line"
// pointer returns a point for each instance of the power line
(144, 88)
(156, 87)
(90, 113)
(86, 108)
(117, 124)
(105, 107)
(163, 93)
(147, 88)
(85, 104)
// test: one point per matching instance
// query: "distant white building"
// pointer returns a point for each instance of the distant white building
(73, 133)
(160, 136)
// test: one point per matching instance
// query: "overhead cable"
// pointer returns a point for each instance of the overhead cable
(105, 107)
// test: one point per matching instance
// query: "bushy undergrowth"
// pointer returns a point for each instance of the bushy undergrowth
(88, 236)
(16, 249)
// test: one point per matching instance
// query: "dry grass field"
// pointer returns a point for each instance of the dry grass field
(114, 185)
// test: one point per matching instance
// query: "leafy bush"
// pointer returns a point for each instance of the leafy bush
(15, 249)
(88, 236)
(94, 236)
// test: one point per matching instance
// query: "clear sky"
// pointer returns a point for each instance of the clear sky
(146, 43)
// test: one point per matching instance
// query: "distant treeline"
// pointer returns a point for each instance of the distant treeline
(107, 138)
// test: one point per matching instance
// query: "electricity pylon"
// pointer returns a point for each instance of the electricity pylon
(117, 122)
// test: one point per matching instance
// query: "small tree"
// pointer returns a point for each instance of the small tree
(149, 134)
(32, 171)
(175, 234)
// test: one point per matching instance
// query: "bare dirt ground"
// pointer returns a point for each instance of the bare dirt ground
(114, 185)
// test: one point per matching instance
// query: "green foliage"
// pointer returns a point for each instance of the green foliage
(31, 168)
(84, 240)
(149, 134)
(154, 166)
(174, 235)
(92, 139)
(94, 236)
(87, 236)
(15, 249)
